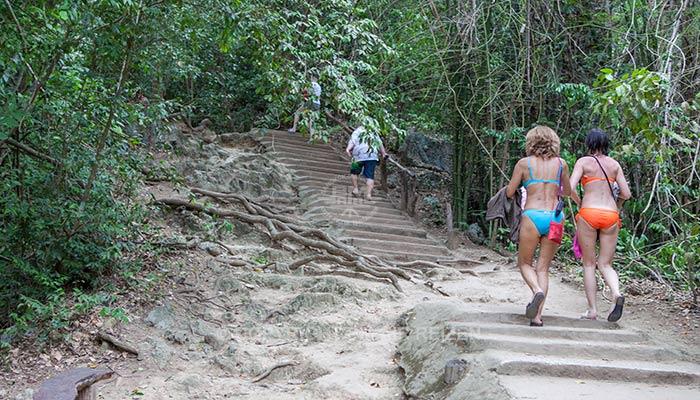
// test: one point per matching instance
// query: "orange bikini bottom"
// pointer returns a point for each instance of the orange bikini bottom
(599, 218)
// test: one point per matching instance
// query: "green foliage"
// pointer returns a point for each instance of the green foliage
(66, 214)
(334, 39)
(434, 210)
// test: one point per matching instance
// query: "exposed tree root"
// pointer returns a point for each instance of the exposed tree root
(119, 344)
(286, 228)
(272, 368)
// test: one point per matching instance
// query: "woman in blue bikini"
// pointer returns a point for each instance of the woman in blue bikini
(541, 173)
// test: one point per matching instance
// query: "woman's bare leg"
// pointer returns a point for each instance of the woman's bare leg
(544, 261)
(587, 237)
(608, 244)
(527, 244)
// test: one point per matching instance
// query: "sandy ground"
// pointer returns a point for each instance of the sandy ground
(331, 336)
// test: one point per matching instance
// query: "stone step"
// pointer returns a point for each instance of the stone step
(297, 139)
(399, 256)
(533, 387)
(352, 214)
(303, 152)
(672, 373)
(313, 200)
(336, 183)
(377, 197)
(303, 149)
(336, 178)
(379, 228)
(555, 332)
(301, 165)
(475, 342)
(361, 209)
(288, 158)
(550, 320)
(351, 233)
(397, 246)
(286, 151)
(349, 215)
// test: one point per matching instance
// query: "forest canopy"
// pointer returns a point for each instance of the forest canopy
(87, 88)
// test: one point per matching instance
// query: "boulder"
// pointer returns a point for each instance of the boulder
(422, 151)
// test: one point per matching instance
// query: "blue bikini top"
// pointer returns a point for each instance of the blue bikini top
(533, 180)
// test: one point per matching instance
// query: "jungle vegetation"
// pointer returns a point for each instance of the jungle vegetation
(75, 124)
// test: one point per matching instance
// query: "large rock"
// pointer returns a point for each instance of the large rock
(423, 151)
(428, 357)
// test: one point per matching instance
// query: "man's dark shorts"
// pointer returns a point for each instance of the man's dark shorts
(309, 105)
(364, 167)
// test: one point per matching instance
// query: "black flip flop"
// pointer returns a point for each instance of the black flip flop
(534, 306)
(533, 323)
(616, 313)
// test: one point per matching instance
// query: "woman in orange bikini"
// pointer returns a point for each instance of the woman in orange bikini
(599, 219)
(541, 173)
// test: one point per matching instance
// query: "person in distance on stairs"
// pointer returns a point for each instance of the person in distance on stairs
(599, 218)
(363, 147)
(545, 178)
(310, 106)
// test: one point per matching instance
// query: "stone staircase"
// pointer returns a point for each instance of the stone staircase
(571, 348)
(591, 359)
(375, 227)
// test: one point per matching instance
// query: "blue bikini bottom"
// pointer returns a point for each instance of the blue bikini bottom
(542, 218)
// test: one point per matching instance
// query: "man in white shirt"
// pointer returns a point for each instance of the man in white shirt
(363, 147)
(312, 104)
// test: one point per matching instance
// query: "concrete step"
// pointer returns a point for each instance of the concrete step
(550, 320)
(297, 139)
(400, 256)
(672, 373)
(361, 209)
(379, 228)
(476, 342)
(335, 178)
(301, 149)
(397, 246)
(312, 200)
(351, 215)
(303, 165)
(294, 151)
(351, 233)
(344, 198)
(555, 332)
(553, 388)
(285, 151)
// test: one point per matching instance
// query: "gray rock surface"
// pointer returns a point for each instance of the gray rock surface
(162, 317)
(419, 150)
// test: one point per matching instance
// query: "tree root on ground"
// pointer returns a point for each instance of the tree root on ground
(286, 228)
(272, 368)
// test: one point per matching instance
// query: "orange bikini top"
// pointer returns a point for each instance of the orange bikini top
(587, 179)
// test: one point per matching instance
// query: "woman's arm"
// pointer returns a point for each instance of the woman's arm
(574, 180)
(515, 179)
(625, 193)
(565, 182)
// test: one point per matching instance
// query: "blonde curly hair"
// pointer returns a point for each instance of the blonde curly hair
(542, 141)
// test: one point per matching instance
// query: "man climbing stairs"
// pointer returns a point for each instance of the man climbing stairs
(376, 227)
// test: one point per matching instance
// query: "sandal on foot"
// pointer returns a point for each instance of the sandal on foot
(355, 193)
(534, 305)
(533, 323)
(589, 315)
(616, 313)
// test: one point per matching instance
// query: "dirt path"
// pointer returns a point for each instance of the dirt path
(207, 329)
